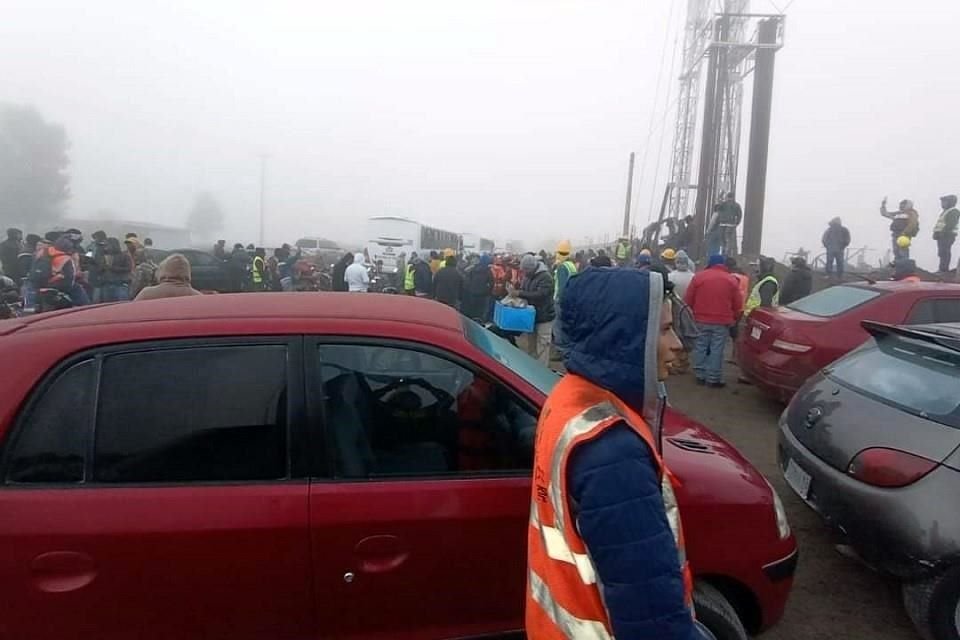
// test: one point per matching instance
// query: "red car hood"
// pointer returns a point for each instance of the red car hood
(702, 460)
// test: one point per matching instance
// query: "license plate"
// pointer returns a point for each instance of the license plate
(756, 332)
(798, 479)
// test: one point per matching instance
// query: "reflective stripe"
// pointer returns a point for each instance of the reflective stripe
(557, 549)
(579, 425)
(673, 514)
(571, 626)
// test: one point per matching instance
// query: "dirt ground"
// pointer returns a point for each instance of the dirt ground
(833, 597)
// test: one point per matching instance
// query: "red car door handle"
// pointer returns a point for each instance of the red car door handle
(379, 554)
(61, 571)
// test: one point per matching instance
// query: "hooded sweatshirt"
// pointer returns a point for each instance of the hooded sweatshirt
(611, 319)
(356, 276)
(682, 276)
(173, 276)
(837, 237)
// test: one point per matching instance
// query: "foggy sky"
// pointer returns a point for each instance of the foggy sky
(508, 119)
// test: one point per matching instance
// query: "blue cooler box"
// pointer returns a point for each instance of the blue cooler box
(514, 319)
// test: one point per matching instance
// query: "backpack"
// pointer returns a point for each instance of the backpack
(41, 271)
(684, 324)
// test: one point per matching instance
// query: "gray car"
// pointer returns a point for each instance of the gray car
(872, 443)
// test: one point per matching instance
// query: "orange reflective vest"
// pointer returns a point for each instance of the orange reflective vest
(563, 596)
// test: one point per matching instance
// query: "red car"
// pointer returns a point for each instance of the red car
(779, 348)
(292, 466)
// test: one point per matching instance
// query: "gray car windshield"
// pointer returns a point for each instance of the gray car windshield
(833, 301)
(910, 374)
(508, 355)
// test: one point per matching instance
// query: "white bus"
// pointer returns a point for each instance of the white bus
(389, 238)
(472, 243)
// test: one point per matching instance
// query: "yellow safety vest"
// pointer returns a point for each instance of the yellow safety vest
(258, 268)
(571, 268)
(754, 300)
(408, 284)
(622, 249)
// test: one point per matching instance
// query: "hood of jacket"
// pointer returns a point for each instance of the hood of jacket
(358, 259)
(174, 268)
(611, 320)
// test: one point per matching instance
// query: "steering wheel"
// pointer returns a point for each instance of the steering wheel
(443, 400)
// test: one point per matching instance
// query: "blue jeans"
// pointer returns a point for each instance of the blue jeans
(714, 243)
(114, 292)
(709, 350)
(838, 258)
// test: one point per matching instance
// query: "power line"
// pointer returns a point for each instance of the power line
(656, 101)
(656, 174)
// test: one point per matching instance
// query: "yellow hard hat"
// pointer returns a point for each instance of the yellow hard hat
(903, 242)
(564, 247)
(449, 253)
(669, 254)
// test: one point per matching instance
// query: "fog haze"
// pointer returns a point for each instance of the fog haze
(508, 119)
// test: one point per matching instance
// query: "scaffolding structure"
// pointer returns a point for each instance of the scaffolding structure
(696, 40)
(732, 42)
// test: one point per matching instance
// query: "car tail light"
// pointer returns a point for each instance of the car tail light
(791, 347)
(889, 467)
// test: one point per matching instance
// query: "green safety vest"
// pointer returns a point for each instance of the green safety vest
(622, 249)
(258, 266)
(754, 300)
(408, 284)
(571, 268)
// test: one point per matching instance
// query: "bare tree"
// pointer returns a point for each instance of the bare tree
(33, 166)
(206, 216)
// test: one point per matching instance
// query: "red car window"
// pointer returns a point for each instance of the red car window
(397, 412)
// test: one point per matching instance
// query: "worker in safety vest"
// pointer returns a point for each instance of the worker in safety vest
(409, 286)
(258, 272)
(623, 252)
(566, 269)
(605, 543)
(766, 293)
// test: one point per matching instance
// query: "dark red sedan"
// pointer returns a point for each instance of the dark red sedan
(779, 348)
(292, 466)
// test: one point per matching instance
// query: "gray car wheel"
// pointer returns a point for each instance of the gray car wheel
(934, 605)
(716, 613)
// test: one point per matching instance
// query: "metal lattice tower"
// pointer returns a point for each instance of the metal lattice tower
(697, 36)
(732, 28)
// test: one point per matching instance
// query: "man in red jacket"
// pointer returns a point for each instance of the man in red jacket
(717, 304)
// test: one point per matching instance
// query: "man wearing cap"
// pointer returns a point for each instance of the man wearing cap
(715, 299)
(537, 289)
(566, 269)
(945, 231)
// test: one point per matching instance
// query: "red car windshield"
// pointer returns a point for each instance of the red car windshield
(834, 301)
(509, 356)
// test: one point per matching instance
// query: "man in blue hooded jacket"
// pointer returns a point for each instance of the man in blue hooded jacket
(599, 431)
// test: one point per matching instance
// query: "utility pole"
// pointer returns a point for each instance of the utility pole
(263, 183)
(767, 31)
(626, 209)
(708, 160)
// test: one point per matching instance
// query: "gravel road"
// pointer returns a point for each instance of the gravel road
(833, 597)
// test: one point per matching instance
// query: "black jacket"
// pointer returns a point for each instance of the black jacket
(9, 250)
(448, 286)
(339, 269)
(797, 284)
(538, 291)
(836, 238)
(422, 278)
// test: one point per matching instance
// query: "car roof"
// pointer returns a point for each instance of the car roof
(333, 306)
(895, 286)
